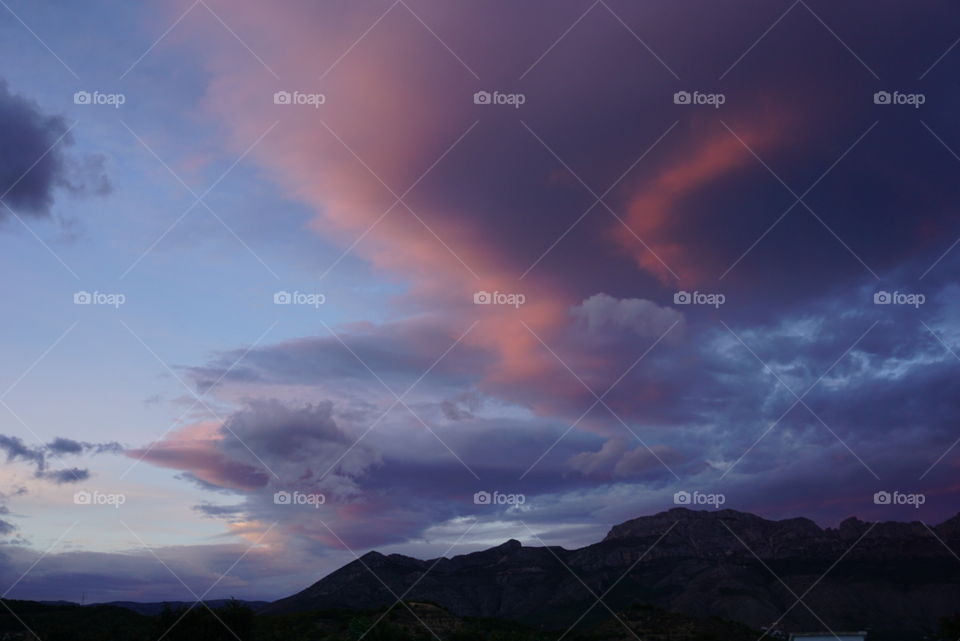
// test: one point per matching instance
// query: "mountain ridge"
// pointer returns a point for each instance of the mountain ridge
(895, 576)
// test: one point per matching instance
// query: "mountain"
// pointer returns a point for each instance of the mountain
(151, 609)
(896, 579)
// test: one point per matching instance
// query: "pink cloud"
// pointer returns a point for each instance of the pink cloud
(659, 211)
(196, 449)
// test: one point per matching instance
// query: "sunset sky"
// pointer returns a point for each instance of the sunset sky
(789, 168)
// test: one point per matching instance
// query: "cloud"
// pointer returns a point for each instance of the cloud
(220, 511)
(462, 407)
(33, 164)
(616, 459)
(606, 315)
(39, 456)
(511, 217)
(394, 350)
(264, 444)
(706, 406)
(65, 446)
(70, 475)
(699, 199)
(6, 528)
(196, 449)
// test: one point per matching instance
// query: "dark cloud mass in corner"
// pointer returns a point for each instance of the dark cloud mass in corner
(33, 164)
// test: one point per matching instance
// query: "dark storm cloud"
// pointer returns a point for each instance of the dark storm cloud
(33, 164)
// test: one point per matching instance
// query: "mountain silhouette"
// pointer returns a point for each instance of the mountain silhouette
(896, 579)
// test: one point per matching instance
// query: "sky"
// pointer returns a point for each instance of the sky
(287, 282)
